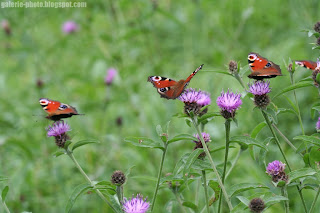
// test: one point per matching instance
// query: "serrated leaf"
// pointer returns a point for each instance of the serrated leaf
(237, 188)
(58, 153)
(80, 189)
(189, 161)
(144, 142)
(247, 141)
(309, 139)
(84, 142)
(300, 173)
(257, 129)
(199, 164)
(182, 137)
(4, 193)
(293, 87)
(3, 178)
(190, 205)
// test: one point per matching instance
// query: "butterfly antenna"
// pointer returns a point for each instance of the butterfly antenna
(194, 72)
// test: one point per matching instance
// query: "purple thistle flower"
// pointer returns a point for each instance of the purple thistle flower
(57, 129)
(318, 124)
(275, 168)
(111, 73)
(229, 102)
(195, 96)
(260, 88)
(206, 137)
(194, 100)
(69, 27)
(136, 205)
(318, 64)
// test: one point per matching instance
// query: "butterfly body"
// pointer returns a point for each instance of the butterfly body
(261, 67)
(57, 110)
(311, 65)
(168, 88)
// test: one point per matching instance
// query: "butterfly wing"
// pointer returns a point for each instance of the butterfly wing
(311, 65)
(57, 110)
(261, 67)
(168, 88)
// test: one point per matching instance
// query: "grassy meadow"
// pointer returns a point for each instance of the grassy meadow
(143, 38)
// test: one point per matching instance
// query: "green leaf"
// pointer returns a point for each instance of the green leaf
(315, 108)
(190, 205)
(3, 178)
(272, 115)
(67, 144)
(4, 193)
(189, 161)
(84, 142)
(200, 164)
(80, 189)
(309, 139)
(216, 188)
(257, 129)
(244, 200)
(159, 130)
(300, 173)
(237, 188)
(247, 141)
(182, 137)
(58, 153)
(269, 201)
(208, 116)
(144, 142)
(314, 157)
(127, 173)
(293, 87)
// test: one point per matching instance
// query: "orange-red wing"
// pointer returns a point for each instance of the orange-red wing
(161, 82)
(57, 110)
(261, 67)
(311, 65)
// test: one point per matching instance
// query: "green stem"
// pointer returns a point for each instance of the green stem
(227, 127)
(234, 163)
(315, 200)
(278, 143)
(194, 121)
(180, 202)
(237, 76)
(159, 176)
(5, 206)
(70, 154)
(204, 183)
(285, 138)
(119, 190)
(196, 197)
(286, 202)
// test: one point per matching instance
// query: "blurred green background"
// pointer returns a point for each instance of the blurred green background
(138, 38)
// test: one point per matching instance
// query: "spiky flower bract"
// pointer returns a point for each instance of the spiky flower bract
(229, 102)
(69, 27)
(260, 89)
(59, 130)
(317, 27)
(256, 205)
(118, 178)
(111, 73)
(233, 67)
(194, 100)
(276, 170)
(136, 205)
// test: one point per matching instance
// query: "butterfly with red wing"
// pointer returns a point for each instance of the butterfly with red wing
(168, 88)
(311, 65)
(262, 68)
(57, 110)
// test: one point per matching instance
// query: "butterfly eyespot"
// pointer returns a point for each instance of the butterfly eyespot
(163, 90)
(252, 57)
(156, 78)
(63, 106)
(268, 64)
(43, 102)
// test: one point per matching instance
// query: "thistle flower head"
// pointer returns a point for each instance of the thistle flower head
(317, 27)
(58, 131)
(69, 27)
(118, 178)
(233, 66)
(256, 205)
(260, 88)
(136, 205)
(318, 124)
(206, 137)
(194, 100)
(111, 73)
(229, 102)
(275, 167)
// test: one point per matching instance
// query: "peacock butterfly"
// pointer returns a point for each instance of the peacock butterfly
(168, 88)
(311, 65)
(262, 68)
(57, 110)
